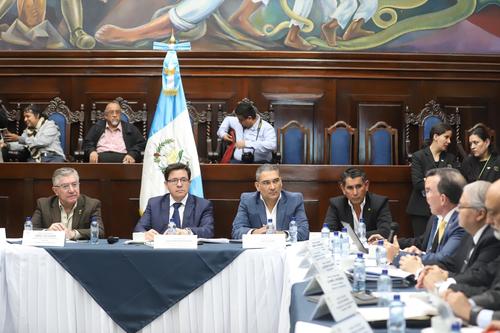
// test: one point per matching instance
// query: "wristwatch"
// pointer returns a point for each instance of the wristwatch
(474, 313)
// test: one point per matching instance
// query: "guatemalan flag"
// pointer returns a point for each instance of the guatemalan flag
(171, 137)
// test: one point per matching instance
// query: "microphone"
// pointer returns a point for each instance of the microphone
(393, 232)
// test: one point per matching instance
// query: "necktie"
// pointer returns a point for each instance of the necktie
(441, 227)
(175, 215)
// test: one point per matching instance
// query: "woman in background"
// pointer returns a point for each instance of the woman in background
(482, 163)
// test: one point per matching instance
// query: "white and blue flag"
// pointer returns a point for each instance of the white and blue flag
(171, 137)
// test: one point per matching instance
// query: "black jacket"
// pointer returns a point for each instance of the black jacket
(471, 168)
(422, 161)
(134, 141)
(376, 213)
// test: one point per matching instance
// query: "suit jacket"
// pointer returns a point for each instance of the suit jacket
(252, 214)
(376, 213)
(47, 212)
(436, 255)
(133, 139)
(198, 216)
(421, 162)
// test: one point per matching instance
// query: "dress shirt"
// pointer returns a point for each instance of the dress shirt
(67, 219)
(181, 208)
(112, 140)
(269, 214)
(355, 219)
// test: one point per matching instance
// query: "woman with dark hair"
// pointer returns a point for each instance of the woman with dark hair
(482, 163)
(434, 155)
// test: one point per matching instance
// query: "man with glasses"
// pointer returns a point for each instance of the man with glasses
(191, 214)
(357, 203)
(67, 210)
(270, 202)
(113, 140)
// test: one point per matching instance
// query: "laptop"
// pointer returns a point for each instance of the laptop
(354, 238)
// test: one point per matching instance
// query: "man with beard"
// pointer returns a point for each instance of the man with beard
(113, 140)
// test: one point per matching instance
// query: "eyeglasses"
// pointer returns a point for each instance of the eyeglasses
(275, 181)
(175, 181)
(66, 187)
(459, 207)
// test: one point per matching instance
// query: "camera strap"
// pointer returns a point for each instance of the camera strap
(258, 129)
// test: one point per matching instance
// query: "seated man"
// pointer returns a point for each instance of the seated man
(67, 210)
(270, 202)
(112, 140)
(41, 138)
(255, 139)
(190, 213)
(357, 203)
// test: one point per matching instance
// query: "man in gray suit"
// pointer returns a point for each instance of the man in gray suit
(67, 210)
(270, 202)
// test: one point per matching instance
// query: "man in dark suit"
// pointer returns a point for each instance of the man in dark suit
(67, 210)
(270, 202)
(357, 203)
(112, 140)
(191, 214)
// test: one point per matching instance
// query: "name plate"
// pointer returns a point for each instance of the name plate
(3, 238)
(44, 238)
(354, 324)
(138, 236)
(176, 242)
(264, 241)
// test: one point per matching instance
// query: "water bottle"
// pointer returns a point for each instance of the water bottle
(359, 282)
(396, 322)
(336, 248)
(345, 242)
(381, 254)
(292, 230)
(384, 287)
(270, 227)
(28, 226)
(362, 232)
(94, 231)
(325, 234)
(171, 229)
(455, 327)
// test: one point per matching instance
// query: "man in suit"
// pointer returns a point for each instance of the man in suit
(191, 214)
(480, 247)
(112, 140)
(443, 235)
(67, 210)
(270, 202)
(476, 297)
(357, 203)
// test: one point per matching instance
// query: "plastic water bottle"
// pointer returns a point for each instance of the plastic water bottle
(325, 234)
(336, 248)
(292, 229)
(359, 282)
(396, 322)
(384, 287)
(171, 229)
(362, 232)
(270, 227)
(344, 236)
(455, 327)
(381, 254)
(94, 231)
(28, 225)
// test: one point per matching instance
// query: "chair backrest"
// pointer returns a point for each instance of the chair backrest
(381, 144)
(293, 142)
(13, 117)
(201, 124)
(341, 144)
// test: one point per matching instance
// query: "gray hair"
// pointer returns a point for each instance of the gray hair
(265, 168)
(63, 172)
(477, 193)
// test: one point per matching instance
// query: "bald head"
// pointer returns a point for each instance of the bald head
(492, 204)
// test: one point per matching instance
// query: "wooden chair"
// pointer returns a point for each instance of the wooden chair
(341, 144)
(294, 143)
(381, 144)
(201, 123)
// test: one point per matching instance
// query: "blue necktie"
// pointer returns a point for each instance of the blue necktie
(175, 215)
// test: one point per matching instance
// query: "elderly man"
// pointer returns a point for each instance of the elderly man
(480, 246)
(270, 202)
(358, 203)
(191, 214)
(443, 236)
(113, 140)
(483, 286)
(41, 137)
(67, 210)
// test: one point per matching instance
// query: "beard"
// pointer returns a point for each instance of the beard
(115, 122)
(497, 234)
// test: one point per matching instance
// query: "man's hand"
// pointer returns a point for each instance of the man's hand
(149, 235)
(228, 137)
(240, 144)
(459, 304)
(375, 238)
(410, 264)
(180, 231)
(58, 226)
(93, 157)
(128, 159)
(413, 250)
(259, 231)
(494, 326)
(392, 249)
(430, 275)
(10, 137)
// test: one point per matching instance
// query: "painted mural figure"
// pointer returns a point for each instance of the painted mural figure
(32, 28)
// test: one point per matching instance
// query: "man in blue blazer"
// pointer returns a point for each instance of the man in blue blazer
(190, 213)
(270, 202)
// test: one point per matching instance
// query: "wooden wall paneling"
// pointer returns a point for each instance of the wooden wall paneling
(225, 211)
(4, 216)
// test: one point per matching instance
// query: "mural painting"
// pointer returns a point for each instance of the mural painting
(434, 26)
